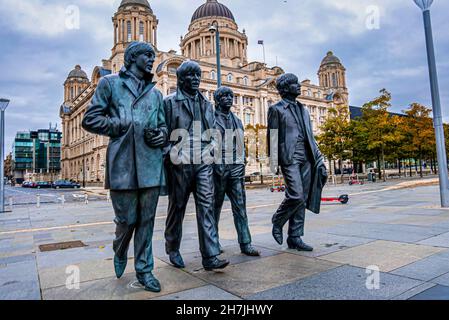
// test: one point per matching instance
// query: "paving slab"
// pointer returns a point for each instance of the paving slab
(343, 283)
(436, 221)
(126, 288)
(386, 255)
(441, 240)
(16, 259)
(382, 231)
(442, 280)
(19, 281)
(322, 243)
(251, 277)
(414, 291)
(193, 261)
(427, 268)
(437, 292)
(202, 293)
(88, 270)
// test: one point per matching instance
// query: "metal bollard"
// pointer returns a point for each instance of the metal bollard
(86, 198)
(11, 203)
(62, 199)
(38, 201)
(108, 196)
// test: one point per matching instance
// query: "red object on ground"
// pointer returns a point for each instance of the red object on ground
(344, 199)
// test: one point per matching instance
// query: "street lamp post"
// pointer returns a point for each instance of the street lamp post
(214, 29)
(3, 105)
(436, 104)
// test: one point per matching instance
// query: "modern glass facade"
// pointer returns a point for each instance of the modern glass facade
(37, 152)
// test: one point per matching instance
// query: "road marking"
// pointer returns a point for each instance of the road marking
(95, 224)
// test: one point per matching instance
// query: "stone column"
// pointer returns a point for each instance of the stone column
(155, 36)
(242, 115)
(256, 110)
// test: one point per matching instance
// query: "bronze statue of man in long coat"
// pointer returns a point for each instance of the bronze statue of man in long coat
(292, 145)
(129, 110)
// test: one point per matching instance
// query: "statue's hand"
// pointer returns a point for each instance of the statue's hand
(154, 138)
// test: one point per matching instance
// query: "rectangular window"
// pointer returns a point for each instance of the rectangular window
(141, 31)
(128, 25)
(247, 118)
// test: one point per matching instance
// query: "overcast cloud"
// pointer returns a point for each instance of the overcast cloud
(37, 49)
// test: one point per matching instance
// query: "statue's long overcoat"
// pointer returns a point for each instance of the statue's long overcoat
(119, 112)
(286, 148)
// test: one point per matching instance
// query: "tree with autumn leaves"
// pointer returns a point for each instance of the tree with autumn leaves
(335, 141)
(379, 136)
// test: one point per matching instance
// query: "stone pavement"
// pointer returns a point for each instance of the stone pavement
(402, 232)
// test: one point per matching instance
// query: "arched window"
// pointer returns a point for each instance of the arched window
(213, 75)
(245, 81)
(128, 29)
(141, 31)
(229, 78)
(172, 68)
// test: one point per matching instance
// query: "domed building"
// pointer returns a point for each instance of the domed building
(253, 82)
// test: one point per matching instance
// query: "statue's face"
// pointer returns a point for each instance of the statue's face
(191, 81)
(226, 101)
(145, 62)
(293, 89)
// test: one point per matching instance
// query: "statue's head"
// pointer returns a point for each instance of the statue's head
(288, 86)
(224, 99)
(140, 55)
(189, 76)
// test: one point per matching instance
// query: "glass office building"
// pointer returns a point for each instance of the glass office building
(37, 152)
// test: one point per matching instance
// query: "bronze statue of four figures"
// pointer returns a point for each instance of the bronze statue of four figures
(181, 145)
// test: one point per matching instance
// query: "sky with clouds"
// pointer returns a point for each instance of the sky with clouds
(38, 50)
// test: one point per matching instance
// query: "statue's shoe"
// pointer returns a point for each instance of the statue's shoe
(149, 282)
(249, 250)
(176, 260)
(299, 245)
(277, 234)
(214, 263)
(120, 266)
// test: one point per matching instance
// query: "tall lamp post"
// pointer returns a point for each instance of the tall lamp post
(214, 29)
(3, 105)
(436, 104)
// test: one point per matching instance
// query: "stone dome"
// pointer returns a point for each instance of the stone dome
(135, 2)
(212, 8)
(330, 58)
(77, 73)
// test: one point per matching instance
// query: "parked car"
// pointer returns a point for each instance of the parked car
(43, 185)
(26, 184)
(63, 184)
(32, 185)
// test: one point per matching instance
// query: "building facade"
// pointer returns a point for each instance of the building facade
(37, 155)
(8, 168)
(254, 83)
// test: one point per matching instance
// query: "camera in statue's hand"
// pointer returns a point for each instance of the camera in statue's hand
(154, 137)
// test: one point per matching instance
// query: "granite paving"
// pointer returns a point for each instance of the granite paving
(405, 238)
